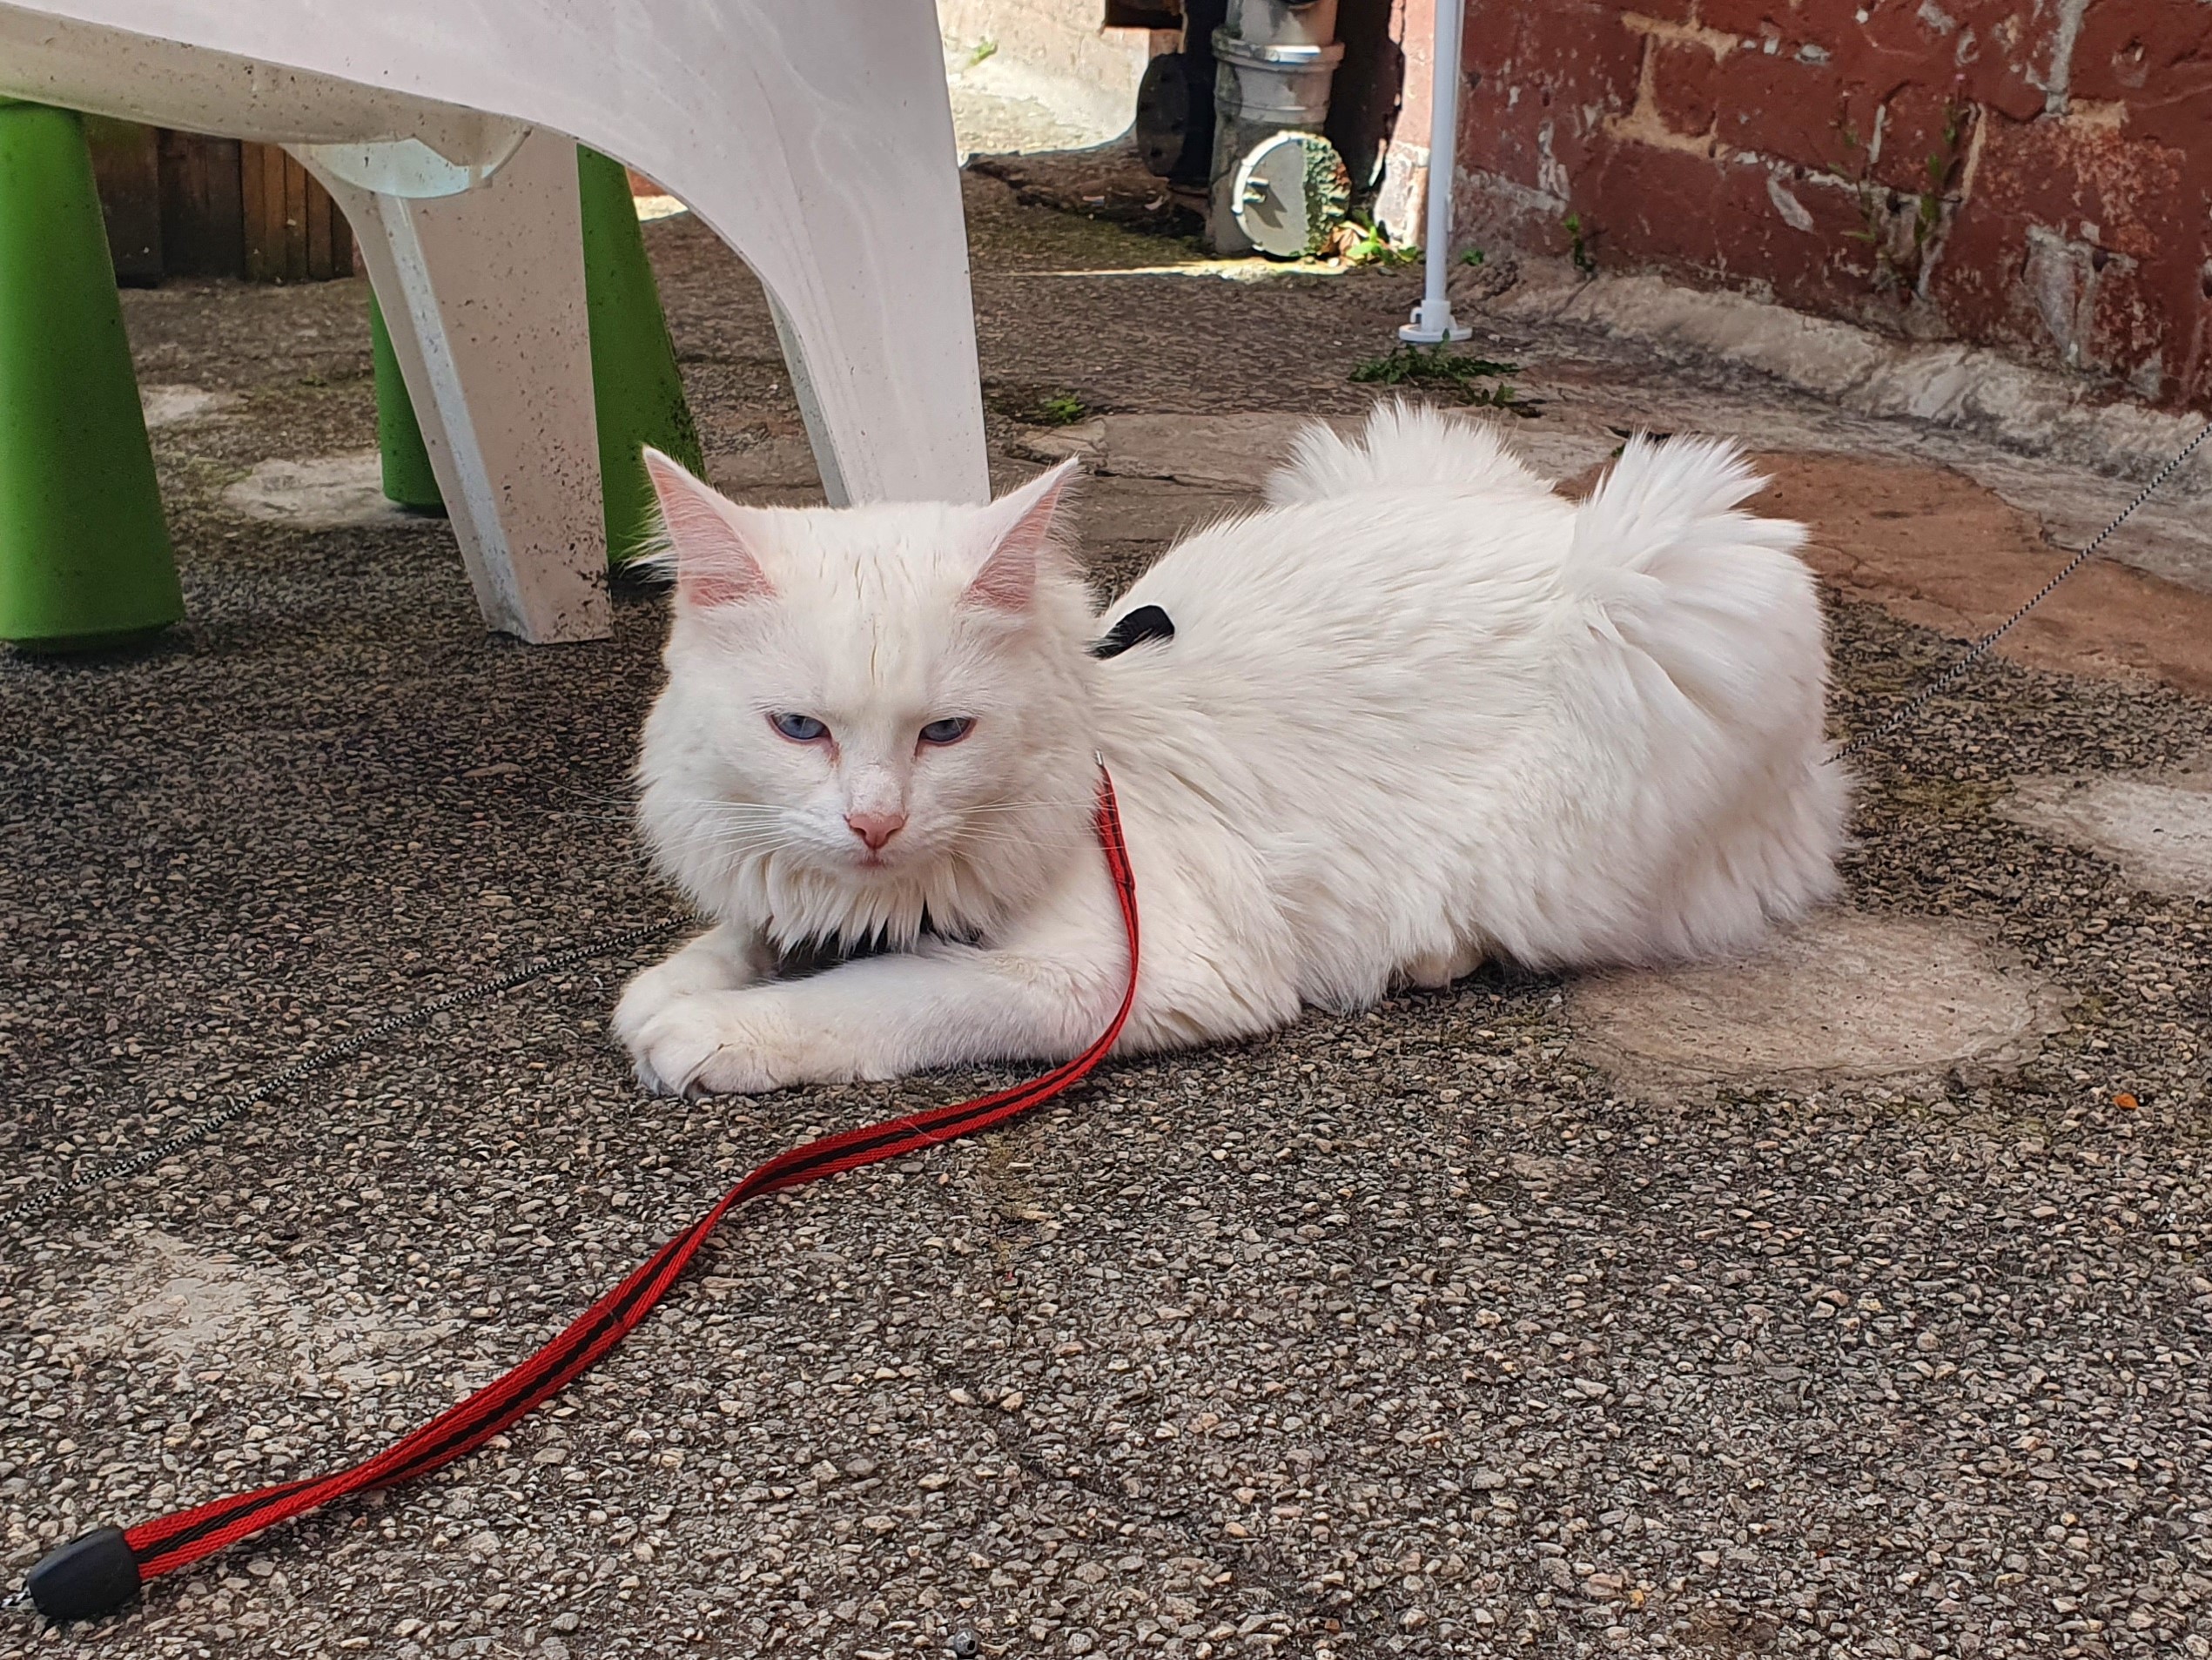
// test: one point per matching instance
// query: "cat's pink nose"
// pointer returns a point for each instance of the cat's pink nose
(876, 829)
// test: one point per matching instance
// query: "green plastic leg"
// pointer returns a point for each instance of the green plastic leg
(408, 479)
(636, 391)
(84, 554)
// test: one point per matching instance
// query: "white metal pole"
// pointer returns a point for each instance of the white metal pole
(1432, 320)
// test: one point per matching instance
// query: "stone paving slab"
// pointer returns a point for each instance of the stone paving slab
(317, 492)
(2158, 830)
(1840, 997)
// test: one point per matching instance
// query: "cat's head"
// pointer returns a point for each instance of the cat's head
(871, 712)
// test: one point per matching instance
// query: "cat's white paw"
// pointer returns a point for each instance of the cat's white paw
(721, 1043)
(707, 964)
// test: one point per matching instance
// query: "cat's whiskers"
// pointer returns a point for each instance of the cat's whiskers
(1037, 805)
(1006, 836)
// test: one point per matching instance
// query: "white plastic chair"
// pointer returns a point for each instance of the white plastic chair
(813, 136)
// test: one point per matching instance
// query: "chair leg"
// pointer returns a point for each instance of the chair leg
(483, 296)
(878, 334)
(852, 224)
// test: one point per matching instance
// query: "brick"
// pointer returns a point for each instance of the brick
(1645, 203)
(1683, 74)
(1546, 75)
(1921, 150)
(2128, 324)
(2130, 48)
(2062, 173)
(2081, 239)
(1717, 219)
(2157, 62)
(1776, 105)
(1748, 18)
(2190, 383)
(1551, 48)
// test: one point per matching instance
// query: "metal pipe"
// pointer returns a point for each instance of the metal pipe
(1433, 322)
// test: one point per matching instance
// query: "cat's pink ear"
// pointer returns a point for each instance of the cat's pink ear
(1022, 523)
(714, 566)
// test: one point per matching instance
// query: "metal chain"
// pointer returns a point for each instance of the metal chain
(1975, 653)
(238, 1105)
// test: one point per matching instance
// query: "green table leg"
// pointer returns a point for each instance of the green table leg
(84, 554)
(636, 391)
(408, 479)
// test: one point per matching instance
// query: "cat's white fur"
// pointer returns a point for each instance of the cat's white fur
(1418, 712)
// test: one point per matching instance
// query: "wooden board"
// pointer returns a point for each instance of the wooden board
(203, 216)
(293, 233)
(184, 205)
(127, 166)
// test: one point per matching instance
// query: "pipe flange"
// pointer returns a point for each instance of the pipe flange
(1291, 191)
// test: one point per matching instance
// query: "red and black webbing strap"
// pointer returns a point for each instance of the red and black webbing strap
(103, 1571)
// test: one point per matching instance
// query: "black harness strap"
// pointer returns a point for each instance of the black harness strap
(1145, 622)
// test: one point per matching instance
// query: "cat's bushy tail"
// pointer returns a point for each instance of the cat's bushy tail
(1703, 647)
(1403, 446)
(1662, 552)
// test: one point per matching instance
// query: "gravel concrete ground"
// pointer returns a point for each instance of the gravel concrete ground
(1419, 1332)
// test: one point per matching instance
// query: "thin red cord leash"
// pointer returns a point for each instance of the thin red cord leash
(103, 1571)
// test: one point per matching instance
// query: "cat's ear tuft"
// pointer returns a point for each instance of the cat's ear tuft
(1023, 525)
(704, 539)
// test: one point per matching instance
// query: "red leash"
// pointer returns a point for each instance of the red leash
(102, 1572)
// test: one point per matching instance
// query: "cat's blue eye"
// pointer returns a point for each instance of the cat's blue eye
(800, 729)
(951, 730)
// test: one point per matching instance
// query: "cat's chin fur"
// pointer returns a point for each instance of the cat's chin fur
(1417, 712)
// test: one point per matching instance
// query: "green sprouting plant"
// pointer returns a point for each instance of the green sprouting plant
(1372, 245)
(1903, 268)
(1471, 257)
(1578, 240)
(984, 48)
(1037, 406)
(1943, 165)
(1473, 380)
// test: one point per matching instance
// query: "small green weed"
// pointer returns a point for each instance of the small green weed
(1371, 245)
(1578, 240)
(1904, 268)
(1038, 405)
(1473, 380)
(1061, 409)
(984, 48)
(1471, 257)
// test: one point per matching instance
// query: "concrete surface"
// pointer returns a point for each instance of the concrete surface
(2158, 830)
(1840, 995)
(2050, 444)
(171, 406)
(1413, 1333)
(1030, 75)
(316, 492)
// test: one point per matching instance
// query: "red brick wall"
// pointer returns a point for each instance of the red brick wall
(2035, 174)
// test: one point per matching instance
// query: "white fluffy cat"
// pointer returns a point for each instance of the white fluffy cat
(1418, 712)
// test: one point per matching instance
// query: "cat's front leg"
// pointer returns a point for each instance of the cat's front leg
(884, 1017)
(722, 959)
